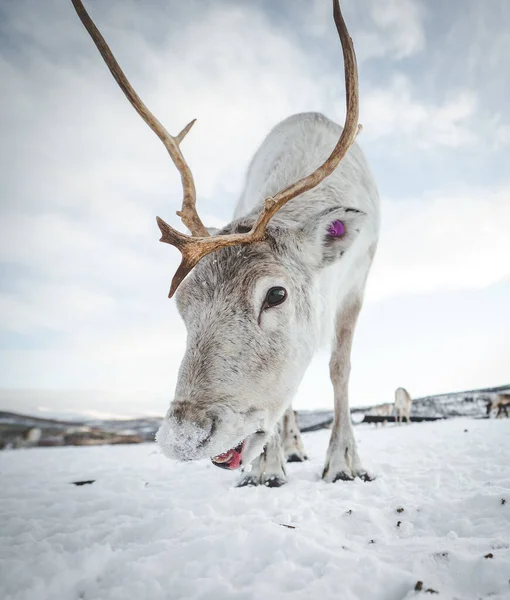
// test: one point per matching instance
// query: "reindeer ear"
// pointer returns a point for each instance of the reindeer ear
(332, 231)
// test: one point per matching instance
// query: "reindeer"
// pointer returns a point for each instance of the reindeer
(501, 402)
(382, 410)
(261, 295)
(403, 404)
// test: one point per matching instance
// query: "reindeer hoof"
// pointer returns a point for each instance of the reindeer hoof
(364, 476)
(342, 476)
(249, 480)
(296, 458)
(274, 481)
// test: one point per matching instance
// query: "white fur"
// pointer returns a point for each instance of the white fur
(383, 410)
(325, 296)
(298, 145)
(403, 403)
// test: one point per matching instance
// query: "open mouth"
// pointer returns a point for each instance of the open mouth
(232, 459)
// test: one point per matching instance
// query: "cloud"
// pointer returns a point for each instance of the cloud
(395, 111)
(443, 241)
(398, 30)
(382, 29)
(83, 302)
(54, 306)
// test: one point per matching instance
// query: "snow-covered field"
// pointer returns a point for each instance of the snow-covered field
(148, 528)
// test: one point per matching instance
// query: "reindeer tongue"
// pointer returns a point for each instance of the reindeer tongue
(230, 459)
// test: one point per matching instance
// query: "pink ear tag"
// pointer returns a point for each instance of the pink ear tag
(336, 229)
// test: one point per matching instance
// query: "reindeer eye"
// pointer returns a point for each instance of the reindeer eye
(275, 296)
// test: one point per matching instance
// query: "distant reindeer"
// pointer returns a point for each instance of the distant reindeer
(383, 410)
(262, 295)
(501, 403)
(403, 404)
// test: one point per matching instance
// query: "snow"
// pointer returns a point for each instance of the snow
(150, 528)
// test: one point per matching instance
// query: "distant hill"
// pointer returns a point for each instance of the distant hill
(14, 427)
(30, 421)
(469, 403)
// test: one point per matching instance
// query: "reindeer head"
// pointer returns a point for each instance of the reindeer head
(246, 294)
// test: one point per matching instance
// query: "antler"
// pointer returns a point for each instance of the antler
(188, 213)
(193, 248)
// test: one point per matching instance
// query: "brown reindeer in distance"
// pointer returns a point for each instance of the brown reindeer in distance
(501, 403)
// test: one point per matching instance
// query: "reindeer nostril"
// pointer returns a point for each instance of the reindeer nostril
(205, 441)
(186, 431)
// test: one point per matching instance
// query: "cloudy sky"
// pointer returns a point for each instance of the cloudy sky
(85, 322)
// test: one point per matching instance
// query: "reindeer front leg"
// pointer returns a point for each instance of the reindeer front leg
(269, 468)
(342, 460)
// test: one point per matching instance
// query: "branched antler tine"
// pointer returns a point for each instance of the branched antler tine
(347, 137)
(184, 268)
(190, 250)
(189, 214)
(171, 236)
(185, 131)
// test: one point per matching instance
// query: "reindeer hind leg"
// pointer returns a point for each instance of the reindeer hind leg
(293, 447)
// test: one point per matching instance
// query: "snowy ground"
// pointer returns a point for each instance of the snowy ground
(151, 529)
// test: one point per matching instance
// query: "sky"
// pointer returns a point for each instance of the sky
(85, 322)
